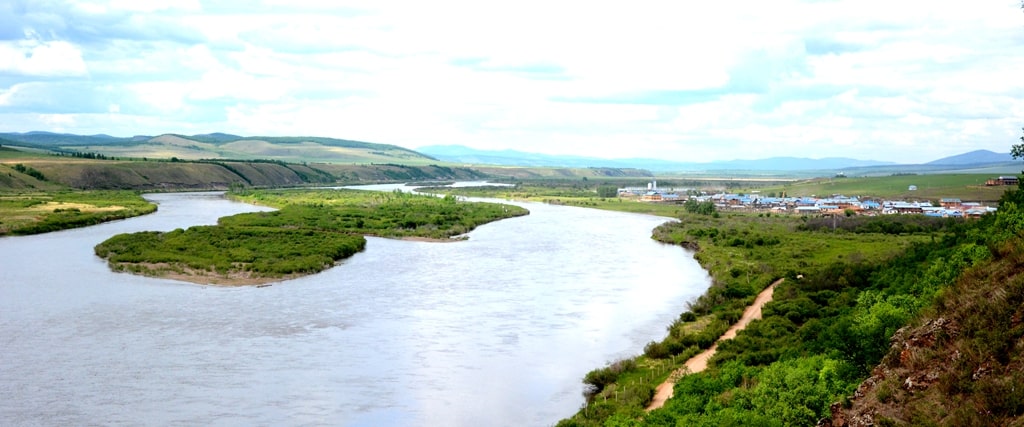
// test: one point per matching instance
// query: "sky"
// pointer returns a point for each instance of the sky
(906, 81)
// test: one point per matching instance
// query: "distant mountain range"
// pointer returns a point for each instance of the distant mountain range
(462, 154)
(976, 157)
(466, 155)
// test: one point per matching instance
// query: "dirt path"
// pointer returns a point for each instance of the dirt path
(700, 362)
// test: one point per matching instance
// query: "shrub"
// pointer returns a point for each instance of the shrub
(598, 379)
(656, 350)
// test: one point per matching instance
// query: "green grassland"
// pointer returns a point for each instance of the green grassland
(11, 153)
(310, 231)
(41, 212)
(967, 187)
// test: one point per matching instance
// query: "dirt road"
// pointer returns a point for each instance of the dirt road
(700, 362)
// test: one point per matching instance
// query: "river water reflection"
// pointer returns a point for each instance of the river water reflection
(496, 330)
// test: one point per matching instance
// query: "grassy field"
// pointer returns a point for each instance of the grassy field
(10, 153)
(41, 212)
(967, 187)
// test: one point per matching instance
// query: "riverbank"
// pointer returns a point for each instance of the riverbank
(235, 277)
(203, 277)
(699, 362)
(744, 253)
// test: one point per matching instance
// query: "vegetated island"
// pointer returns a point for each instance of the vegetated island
(310, 232)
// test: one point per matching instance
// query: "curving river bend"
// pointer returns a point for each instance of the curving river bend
(497, 330)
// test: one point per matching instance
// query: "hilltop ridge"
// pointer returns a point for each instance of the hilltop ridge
(222, 146)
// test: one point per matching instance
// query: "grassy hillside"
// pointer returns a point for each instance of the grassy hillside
(315, 159)
(90, 173)
(14, 177)
(223, 146)
(961, 362)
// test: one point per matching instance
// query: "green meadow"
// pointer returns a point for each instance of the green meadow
(44, 211)
(967, 187)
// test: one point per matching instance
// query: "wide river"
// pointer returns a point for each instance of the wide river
(497, 330)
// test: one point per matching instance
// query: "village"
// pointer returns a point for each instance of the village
(827, 206)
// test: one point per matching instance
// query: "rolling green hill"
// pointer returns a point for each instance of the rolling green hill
(222, 147)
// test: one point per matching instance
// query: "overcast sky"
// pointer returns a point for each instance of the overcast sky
(896, 80)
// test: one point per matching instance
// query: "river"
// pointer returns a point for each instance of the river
(496, 330)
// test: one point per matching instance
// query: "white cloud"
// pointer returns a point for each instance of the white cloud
(35, 58)
(163, 97)
(690, 81)
(58, 122)
(150, 6)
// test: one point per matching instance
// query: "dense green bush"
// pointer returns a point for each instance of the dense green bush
(270, 252)
(30, 171)
(600, 378)
(310, 232)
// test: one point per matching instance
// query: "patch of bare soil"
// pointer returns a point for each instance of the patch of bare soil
(203, 277)
(50, 206)
(433, 239)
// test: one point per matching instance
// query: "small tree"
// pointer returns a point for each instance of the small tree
(1015, 195)
(607, 191)
(1017, 151)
